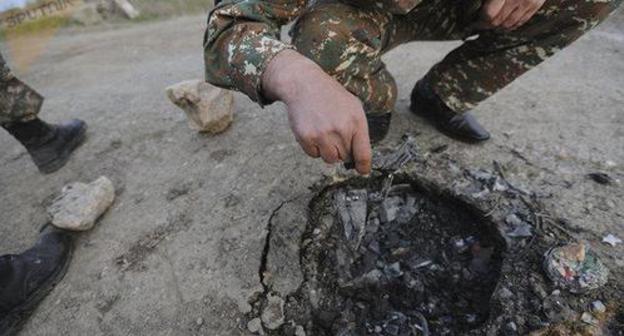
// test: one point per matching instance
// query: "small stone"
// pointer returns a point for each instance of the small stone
(80, 204)
(255, 326)
(199, 321)
(208, 108)
(126, 8)
(299, 331)
(598, 307)
(611, 240)
(505, 293)
(273, 314)
(588, 318)
(601, 178)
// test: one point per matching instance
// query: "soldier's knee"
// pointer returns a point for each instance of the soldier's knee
(334, 33)
(589, 13)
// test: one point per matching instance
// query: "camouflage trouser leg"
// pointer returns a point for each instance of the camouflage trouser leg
(480, 67)
(347, 42)
(18, 102)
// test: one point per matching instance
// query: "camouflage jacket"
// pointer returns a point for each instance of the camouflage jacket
(243, 36)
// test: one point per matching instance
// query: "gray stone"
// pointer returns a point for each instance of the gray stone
(126, 9)
(299, 331)
(255, 326)
(389, 209)
(598, 307)
(80, 204)
(273, 314)
(208, 108)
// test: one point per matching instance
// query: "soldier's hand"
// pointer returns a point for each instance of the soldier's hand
(509, 14)
(327, 120)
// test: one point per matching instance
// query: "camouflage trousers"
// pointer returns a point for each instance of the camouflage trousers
(348, 42)
(18, 102)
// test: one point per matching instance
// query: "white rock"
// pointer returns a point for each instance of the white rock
(80, 204)
(208, 108)
(299, 331)
(126, 8)
(255, 326)
(598, 307)
(611, 240)
(273, 314)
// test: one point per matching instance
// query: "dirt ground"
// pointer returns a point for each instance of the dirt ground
(179, 253)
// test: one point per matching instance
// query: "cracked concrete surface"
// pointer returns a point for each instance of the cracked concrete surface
(192, 210)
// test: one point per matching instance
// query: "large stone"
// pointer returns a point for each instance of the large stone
(80, 204)
(208, 108)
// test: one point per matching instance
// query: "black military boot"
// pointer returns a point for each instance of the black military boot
(50, 146)
(378, 126)
(460, 126)
(25, 279)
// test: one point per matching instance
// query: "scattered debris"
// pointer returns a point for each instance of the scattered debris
(575, 267)
(273, 314)
(519, 228)
(611, 240)
(351, 207)
(598, 307)
(602, 178)
(423, 266)
(80, 204)
(557, 309)
(209, 109)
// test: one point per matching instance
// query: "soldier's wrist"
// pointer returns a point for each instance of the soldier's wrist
(283, 74)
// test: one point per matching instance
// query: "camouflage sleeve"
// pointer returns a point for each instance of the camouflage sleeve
(241, 39)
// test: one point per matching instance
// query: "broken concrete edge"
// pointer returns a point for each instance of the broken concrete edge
(488, 208)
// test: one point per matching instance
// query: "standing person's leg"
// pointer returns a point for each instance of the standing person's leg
(480, 67)
(50, 146)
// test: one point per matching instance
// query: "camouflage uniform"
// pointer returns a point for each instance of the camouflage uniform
(18, 102)
(348, 37)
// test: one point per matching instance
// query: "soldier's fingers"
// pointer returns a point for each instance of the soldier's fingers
(503, 15)
(514, 18)
(311, 149)
(491, 9)
(362, 152)
(527, 16)
(329, 153)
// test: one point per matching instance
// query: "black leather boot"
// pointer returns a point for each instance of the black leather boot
(460, 126)
(25, 279)
(378, 126)
(50, 146)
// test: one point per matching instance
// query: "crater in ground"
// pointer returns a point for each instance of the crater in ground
(398, 261)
